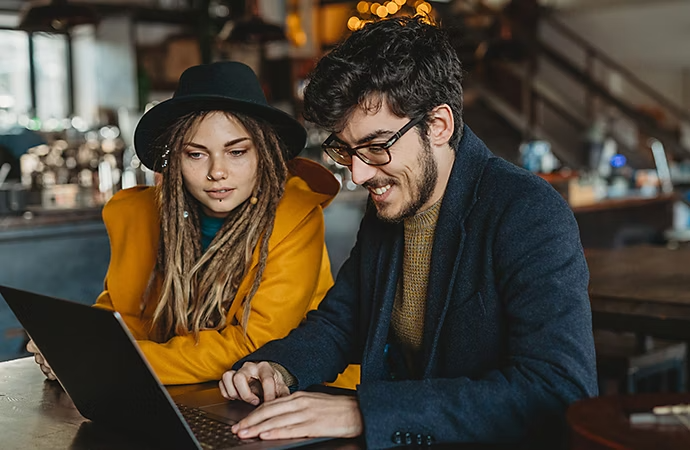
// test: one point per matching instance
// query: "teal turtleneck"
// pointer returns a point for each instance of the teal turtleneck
(209, 228)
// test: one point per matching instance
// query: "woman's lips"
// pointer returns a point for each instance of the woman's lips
(219, 194)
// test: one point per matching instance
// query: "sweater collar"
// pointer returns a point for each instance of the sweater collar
(423, 220)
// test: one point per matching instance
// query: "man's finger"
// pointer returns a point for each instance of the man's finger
(227, 388)
(256, 387)
(279, 406)
(31, 347)
(283, 390)
(291, 424)
(244, 391)
(223, 392)
(299, 430)
(302, 415)
(268, 381)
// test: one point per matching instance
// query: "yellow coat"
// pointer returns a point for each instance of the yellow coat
(296, 278)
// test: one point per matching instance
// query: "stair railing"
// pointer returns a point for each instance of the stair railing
(595, 55)
(584, 73)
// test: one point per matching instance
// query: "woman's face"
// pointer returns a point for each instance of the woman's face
(219, 164)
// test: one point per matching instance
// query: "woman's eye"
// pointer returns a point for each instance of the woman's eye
(237, 153)
(195, 155)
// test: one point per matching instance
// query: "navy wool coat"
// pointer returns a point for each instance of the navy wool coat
(508, 333)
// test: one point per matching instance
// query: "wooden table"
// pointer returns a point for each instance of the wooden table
(641, 289)
(36, 414)
(602, 423)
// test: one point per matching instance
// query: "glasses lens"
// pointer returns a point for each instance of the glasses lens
(374, 155)
(339, 155)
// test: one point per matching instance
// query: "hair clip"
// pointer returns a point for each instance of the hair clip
(164, 156)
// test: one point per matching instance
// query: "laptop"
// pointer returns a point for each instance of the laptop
(99, 365)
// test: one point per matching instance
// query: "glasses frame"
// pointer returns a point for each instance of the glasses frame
(353, 151)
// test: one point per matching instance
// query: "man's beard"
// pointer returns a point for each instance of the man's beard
(420, 191)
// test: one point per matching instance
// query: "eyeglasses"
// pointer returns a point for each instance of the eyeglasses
(371, 154)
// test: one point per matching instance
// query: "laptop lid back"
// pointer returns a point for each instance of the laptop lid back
(100, 367)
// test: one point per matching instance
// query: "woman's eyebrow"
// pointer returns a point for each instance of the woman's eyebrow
(227, 144)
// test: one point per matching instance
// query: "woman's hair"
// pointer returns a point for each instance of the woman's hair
(197, 287)
(405, 61)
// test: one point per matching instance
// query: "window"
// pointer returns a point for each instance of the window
(15, 81)
(52, 90)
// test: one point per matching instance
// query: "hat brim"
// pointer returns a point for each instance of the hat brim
(155, 121)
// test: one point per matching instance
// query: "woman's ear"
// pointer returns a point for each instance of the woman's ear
(442, 125)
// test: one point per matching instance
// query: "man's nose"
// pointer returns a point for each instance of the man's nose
(361, 172)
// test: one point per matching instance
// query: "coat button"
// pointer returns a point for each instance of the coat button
(420, 439)
(397, 438)
(429, 440)
(408, 438)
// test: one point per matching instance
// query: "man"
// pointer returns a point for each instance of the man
(465, 296)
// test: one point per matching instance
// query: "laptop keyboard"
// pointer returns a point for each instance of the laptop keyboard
(212, 434)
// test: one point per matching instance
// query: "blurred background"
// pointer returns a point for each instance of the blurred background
(591, 95)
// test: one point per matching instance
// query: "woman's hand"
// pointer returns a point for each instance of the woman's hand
(40, 360)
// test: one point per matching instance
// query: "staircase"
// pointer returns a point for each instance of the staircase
(553, 85)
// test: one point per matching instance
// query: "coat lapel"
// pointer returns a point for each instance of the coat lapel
(458, 199)
(386, 272)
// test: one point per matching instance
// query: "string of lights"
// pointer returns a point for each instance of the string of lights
(370, 11)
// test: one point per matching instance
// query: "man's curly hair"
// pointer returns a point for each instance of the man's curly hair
(406, 62)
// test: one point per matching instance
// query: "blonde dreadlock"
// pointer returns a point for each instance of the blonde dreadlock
(197, 287)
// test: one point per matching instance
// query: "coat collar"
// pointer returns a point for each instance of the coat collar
(470, 158)
(460, 196)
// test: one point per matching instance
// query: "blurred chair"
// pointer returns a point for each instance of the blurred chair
(659, 370)
(628, 363)
(638, 235)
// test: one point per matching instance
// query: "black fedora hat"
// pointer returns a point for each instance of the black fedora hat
(223, 86)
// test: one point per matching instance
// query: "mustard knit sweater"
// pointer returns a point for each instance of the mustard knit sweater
(407, 321)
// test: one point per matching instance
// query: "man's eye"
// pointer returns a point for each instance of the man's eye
(237, 153)
(376, 150)
(195, 155)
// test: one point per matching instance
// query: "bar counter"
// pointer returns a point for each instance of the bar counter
(621, 222)
(63, 253)
(36, 217)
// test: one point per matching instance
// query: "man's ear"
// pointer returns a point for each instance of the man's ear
(442, 125)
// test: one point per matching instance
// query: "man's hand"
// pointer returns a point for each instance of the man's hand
(40, 360)
(253, 383)
(303, 414)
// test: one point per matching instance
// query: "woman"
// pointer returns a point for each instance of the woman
(227, 252)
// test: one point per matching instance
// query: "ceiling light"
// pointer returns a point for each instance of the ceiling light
(57, 16)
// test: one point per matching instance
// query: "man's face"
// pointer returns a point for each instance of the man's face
(405, 185)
